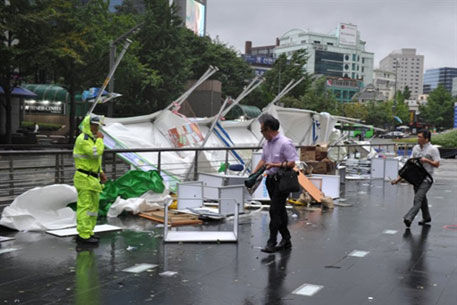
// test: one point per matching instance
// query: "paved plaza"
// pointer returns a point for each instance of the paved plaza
(358, 254)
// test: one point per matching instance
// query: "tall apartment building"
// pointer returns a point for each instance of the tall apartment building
(341, 54)
(441, 76)
(409, 70)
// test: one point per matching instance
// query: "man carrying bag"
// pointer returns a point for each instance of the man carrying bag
(429, 156)
(278, 151)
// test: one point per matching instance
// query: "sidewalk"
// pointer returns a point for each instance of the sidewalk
(416, 266)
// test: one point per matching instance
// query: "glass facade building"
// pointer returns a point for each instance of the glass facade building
(328, 63)
(435, 77)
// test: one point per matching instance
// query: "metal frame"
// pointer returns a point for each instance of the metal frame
(202, 236)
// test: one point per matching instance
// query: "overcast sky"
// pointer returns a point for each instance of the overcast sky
(429, 26)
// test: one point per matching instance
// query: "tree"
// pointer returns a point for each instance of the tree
(355, 110)
(282, 72)
(406, 93)
(439, 110)
(233, 72)
(319, 99)
(16, 39)
(379, 114)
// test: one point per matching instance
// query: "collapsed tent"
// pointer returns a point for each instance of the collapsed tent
(41, 208)
(167, 129)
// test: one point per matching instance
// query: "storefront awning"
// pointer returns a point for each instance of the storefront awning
(52, 93)
(20, 92)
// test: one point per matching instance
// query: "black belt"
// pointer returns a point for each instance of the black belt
(95, 175)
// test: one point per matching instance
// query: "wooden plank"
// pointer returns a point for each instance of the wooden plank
(174, 218)
(309, 186)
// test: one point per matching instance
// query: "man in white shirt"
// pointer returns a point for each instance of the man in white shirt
(430, 158)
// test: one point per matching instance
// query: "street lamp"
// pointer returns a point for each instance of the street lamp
(395, 66)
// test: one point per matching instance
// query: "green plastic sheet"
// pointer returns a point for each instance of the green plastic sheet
(131, 185)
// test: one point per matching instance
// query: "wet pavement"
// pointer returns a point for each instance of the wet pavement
(360, 254)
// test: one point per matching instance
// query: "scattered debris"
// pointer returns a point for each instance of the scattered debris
(175, 218)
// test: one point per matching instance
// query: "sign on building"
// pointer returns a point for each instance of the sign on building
(347, 34)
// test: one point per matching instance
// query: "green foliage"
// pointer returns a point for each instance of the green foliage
(406, 94)
(439, 109)
(402, 111)
(446, 140)
(283, 71)
(355, 110)
(43, 126)
(319, 99)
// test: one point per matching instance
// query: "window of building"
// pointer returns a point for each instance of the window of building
(363, 60)
(346, 67)
(317, 41)
(346, 57)
(330, 43)
(353, 66)
(354, 57)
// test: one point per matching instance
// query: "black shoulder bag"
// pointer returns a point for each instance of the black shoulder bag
(288, 180)
(414, 172)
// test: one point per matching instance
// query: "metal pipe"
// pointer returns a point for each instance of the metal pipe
(110, 74)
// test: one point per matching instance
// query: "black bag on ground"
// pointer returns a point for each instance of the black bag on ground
(414, 172)
(288, 180)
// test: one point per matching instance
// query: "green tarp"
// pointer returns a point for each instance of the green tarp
(131, 185)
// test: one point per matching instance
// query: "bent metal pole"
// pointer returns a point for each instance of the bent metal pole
(110, 74)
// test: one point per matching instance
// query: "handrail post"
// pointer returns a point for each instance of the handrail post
(196, 165)
(226, 161)
(113, 167)
(57, 172)
(159, 161)
(11, 174)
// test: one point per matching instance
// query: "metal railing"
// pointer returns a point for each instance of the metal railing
(21, 170)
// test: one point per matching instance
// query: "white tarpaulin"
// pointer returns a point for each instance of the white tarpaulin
(304, 127)
(145, 202)
(41, 208)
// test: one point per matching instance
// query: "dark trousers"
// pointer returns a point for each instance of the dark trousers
(420, 201)
(278, 213)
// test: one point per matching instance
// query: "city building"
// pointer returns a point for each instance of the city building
(343, 89)
(454, 86)
(441, 76)
(384, 82)
(409, 69)
(341, 54)
(193, 13)
(260, 58)
(368, 94)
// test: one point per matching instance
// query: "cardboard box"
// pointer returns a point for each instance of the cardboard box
(324, 167)
(318, 167)
(321, 152)
(308, 153)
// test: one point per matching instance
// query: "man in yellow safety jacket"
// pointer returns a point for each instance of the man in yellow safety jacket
(87, 152)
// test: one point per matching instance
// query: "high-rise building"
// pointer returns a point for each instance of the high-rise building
(193, 12)
(441, 76)
(341, 54)
(454, 86)
(409, 70)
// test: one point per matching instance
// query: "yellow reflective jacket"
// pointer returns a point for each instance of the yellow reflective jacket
(87, 154)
